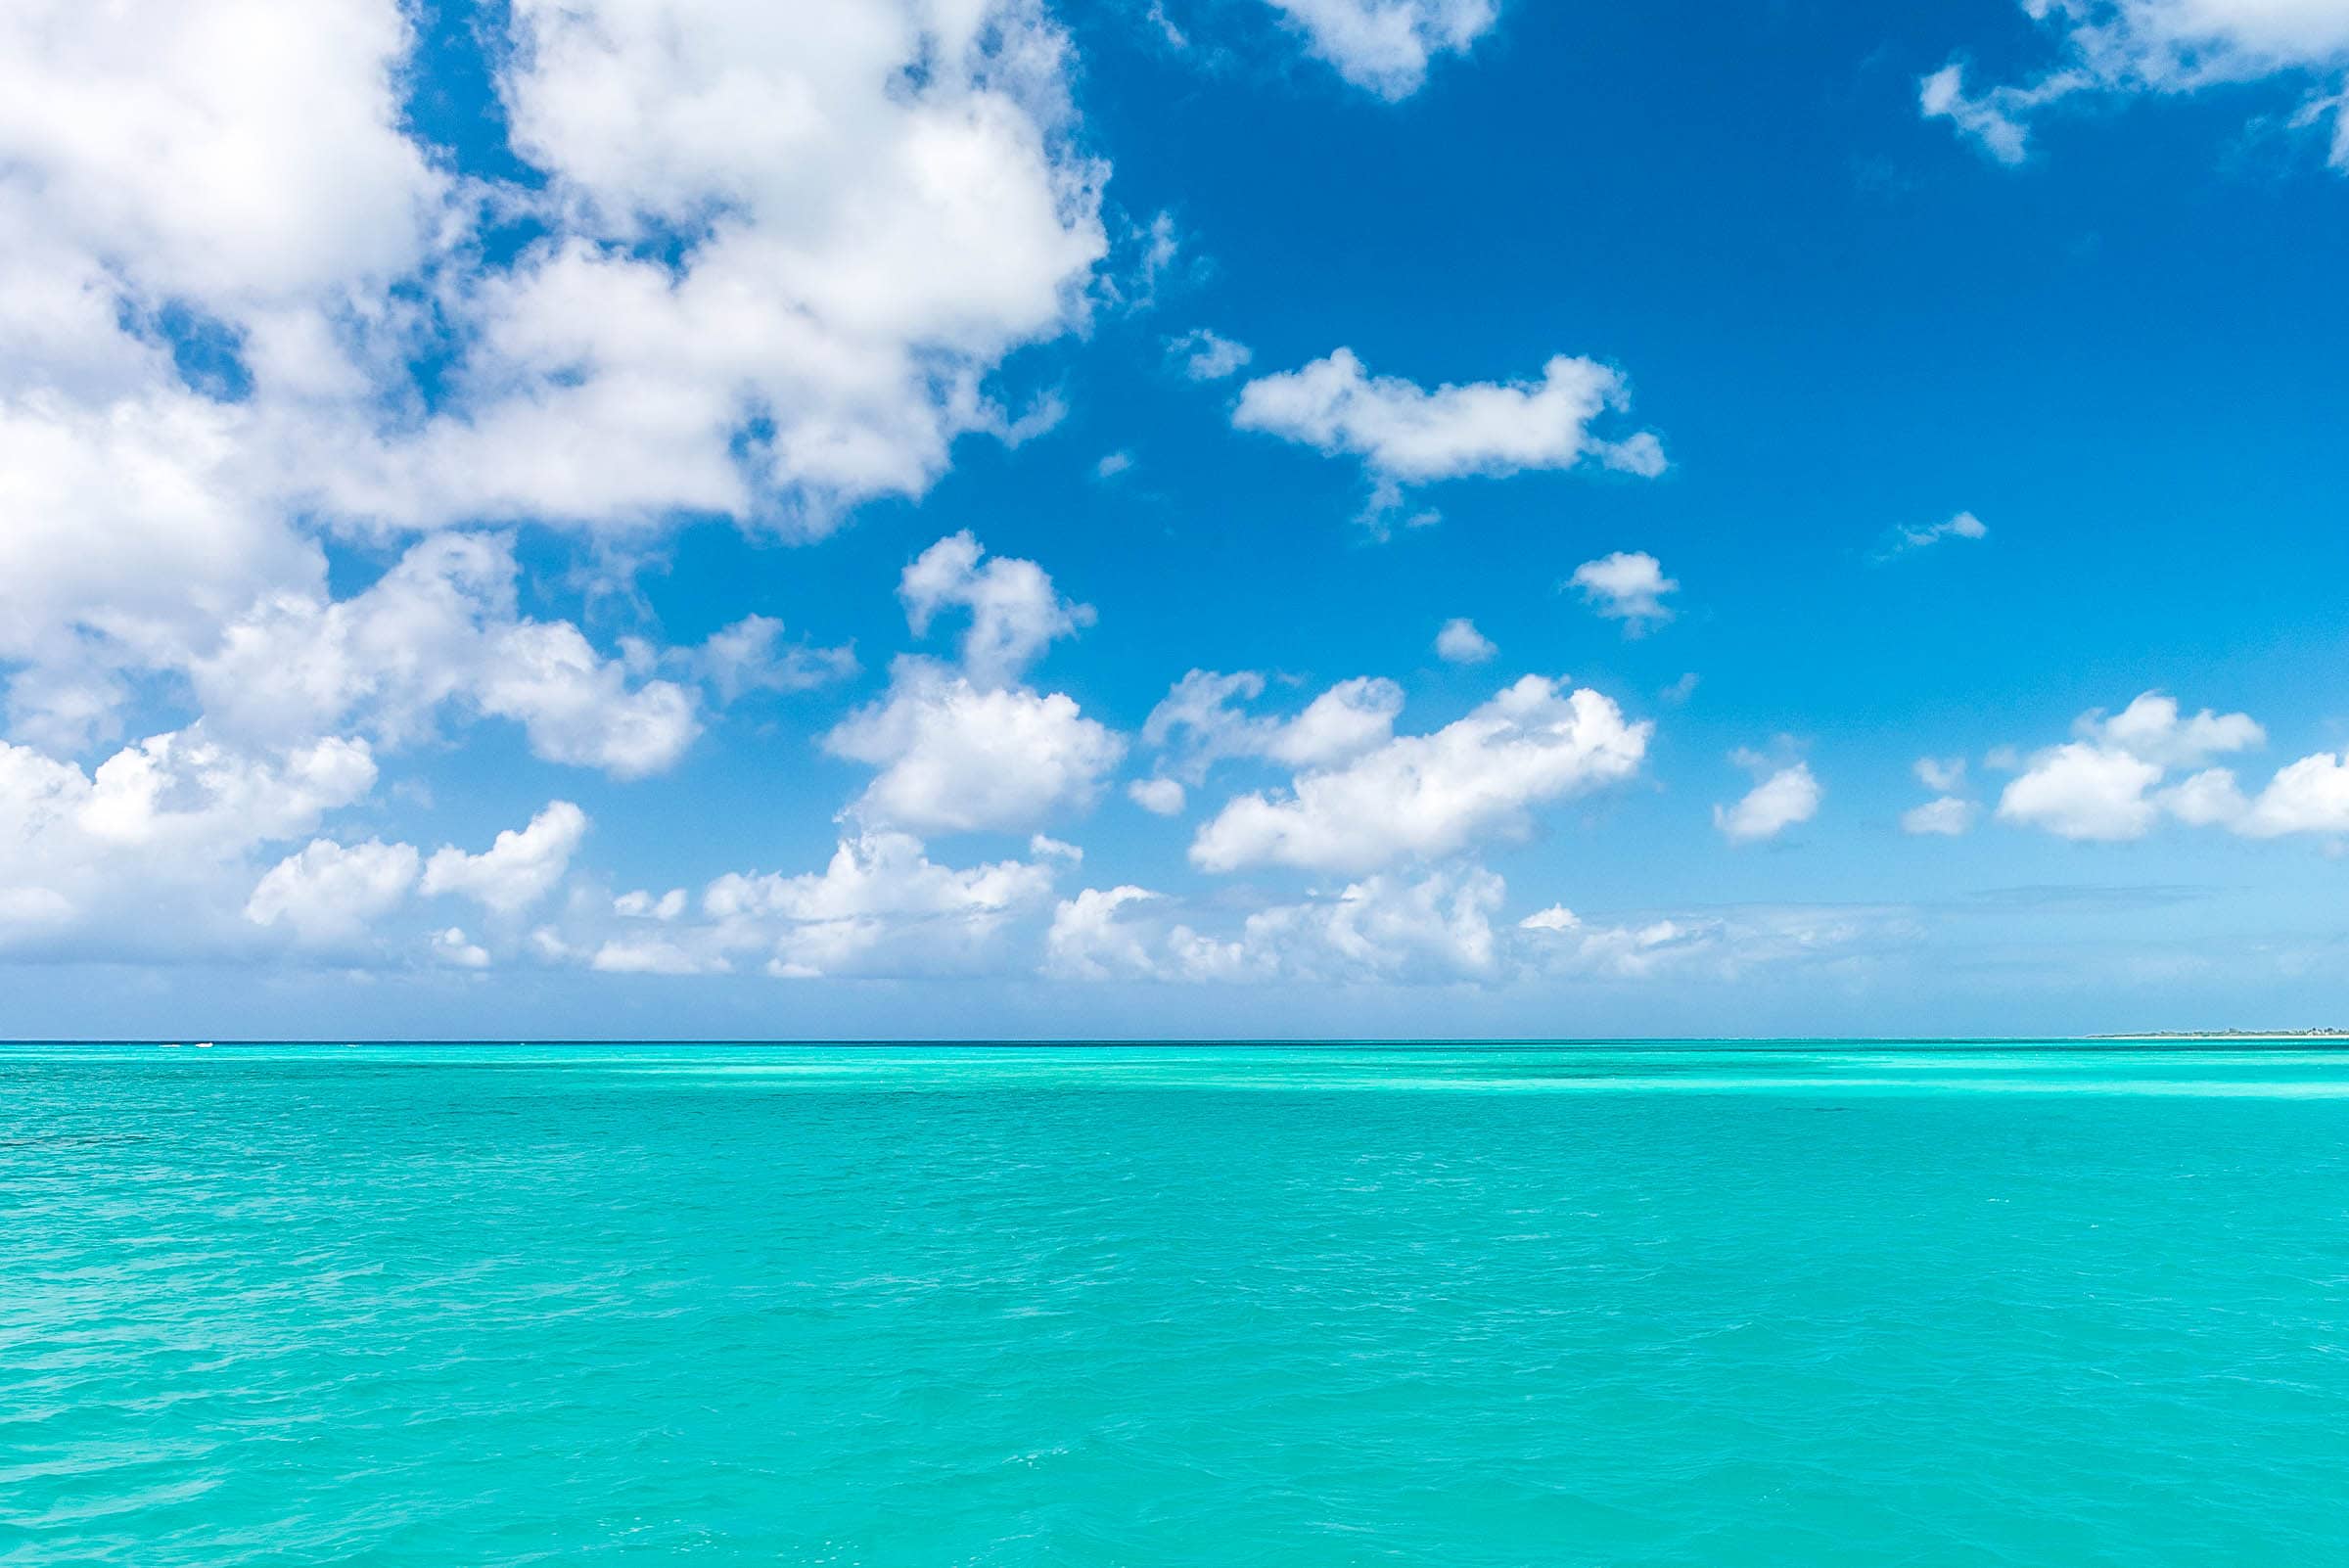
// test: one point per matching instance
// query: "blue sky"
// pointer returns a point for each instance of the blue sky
(922, 519)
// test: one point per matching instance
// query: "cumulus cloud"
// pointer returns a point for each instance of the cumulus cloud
(241, 301)
(1627, 586)
(518, 869)
(331, 893)
(2107, 47)
(1442, 928)
(881, 904)
(2099, 785)
(1385, 928)
(1963, 526)
(1461, 643)
(1200, 722)
(1428, 795)
(440, 628)
(1407, 435)
(2117, 778)
(1781, 797)
(1206, 356)
(1386, 46)
(169, 823)
(1160, 797)
(954, 756)
(750, 655)
(1015, 611)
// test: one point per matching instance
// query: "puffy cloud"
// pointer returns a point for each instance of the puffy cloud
(1461, 643)
(1382, 927)
(239, 300)
(441, 626)
(1948, 814)
(519, 869)
(881, 904)
(1207, 355)
(1015, 613)
(2109, 782)
(2100, 786)
(1087, 942)
(1963, 526)
(2160, 46)
(329, 893)
(1160, 797)
(750, 655)
(166, 825)
(2084, 791)
(955, 757)
(1780, 798)
(453, 947)
(1198, 720)
(1428, 795)
(643, 906)
(1407, 435)
(1627, 586)
(2309, 796)
(1387, 45)
(2149, 729)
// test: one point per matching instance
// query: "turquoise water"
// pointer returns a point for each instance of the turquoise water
(1216, 1307)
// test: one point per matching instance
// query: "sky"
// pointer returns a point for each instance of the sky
(880, 519)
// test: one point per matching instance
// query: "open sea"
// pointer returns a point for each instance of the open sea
(1704, 1305)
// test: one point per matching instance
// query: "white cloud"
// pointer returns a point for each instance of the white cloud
(1944, 774)
(2084, 791)
(518, 869)
(1963, 526)
(1947, 816)
(1428, 795)
(453, 947)
(2110, 782)
(1627, 586)
(2161, 46)
(1209, 356)
(2309, 796)
(329, 893)
(2151, 728)
(955, 757)
(2098, 786)
(641, 904)
(440, 627)
(168, 823)
(1384, 928)
(1781, 798)
(222, 266)
(749, 655)
(1199, 721)
(1407, 435)
(880, 905)
(1160, 797)
(1722, 948)
(1387, 45)
(1461, 643)
(1086, 940)
(1111, 465)
(1015, 613)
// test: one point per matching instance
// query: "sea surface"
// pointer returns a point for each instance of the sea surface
(1712, 1305)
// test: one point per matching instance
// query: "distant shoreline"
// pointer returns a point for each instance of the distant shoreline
(2230, 1034)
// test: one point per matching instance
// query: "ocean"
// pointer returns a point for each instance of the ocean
(1704, 1305)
